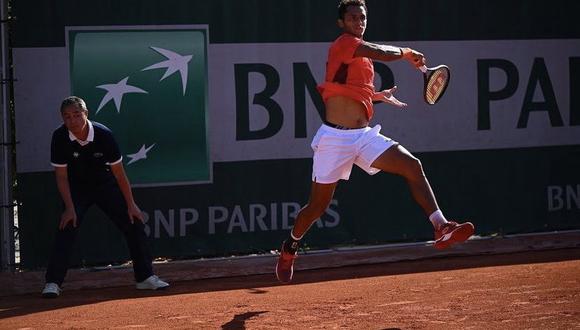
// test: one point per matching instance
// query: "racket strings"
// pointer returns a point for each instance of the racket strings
(436, 85)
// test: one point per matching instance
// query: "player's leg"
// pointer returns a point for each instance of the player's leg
(111, 201)
(62, 249)
(334, 155)
(320, 197)
(400, 161)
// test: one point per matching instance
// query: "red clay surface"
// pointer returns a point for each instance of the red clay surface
(532, 290)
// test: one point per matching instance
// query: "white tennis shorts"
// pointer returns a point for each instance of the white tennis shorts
(336, 150)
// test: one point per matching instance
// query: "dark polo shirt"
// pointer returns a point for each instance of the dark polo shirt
(87, 162)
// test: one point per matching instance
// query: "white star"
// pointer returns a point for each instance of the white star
(116, 92)
(141, 154)
(174, 62)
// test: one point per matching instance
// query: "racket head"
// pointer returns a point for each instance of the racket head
(436, 82)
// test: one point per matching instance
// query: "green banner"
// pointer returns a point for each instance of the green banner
(150, 88)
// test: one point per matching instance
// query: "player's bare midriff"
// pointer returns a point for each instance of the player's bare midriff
(344, 111)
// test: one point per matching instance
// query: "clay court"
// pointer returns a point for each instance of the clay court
(217, 122)
(526, 290)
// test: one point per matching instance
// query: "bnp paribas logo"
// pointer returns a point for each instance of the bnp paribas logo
(149, 86)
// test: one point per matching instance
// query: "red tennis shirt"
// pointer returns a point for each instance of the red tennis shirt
(347, 75)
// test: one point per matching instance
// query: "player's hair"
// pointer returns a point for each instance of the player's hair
(343, 5)
(73, 100)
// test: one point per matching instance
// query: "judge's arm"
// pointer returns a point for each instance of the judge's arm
(133, 210)
(69, 214)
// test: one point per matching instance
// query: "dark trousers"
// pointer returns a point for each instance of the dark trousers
(107, 197)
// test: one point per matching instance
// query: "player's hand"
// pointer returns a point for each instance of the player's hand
(413, 56)
(69, 215)
(388, 97)
(134, 213)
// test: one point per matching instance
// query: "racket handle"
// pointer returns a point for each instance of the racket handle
(423, 68)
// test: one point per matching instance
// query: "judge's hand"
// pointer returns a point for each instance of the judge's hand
(69, 215)
(134, 213)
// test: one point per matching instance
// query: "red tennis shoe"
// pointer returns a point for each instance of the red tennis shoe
(285, 266)
(451, 233)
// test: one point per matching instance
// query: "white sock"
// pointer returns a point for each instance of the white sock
(437, 219)
(294, 237)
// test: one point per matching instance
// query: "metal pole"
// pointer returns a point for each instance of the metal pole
(6, 147)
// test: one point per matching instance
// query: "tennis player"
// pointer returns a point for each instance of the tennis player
(345, 138)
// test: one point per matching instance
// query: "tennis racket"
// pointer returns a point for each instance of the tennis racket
(436, 82)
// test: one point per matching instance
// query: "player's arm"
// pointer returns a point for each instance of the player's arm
(388, 53)
(132, 209)
(69, 214)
